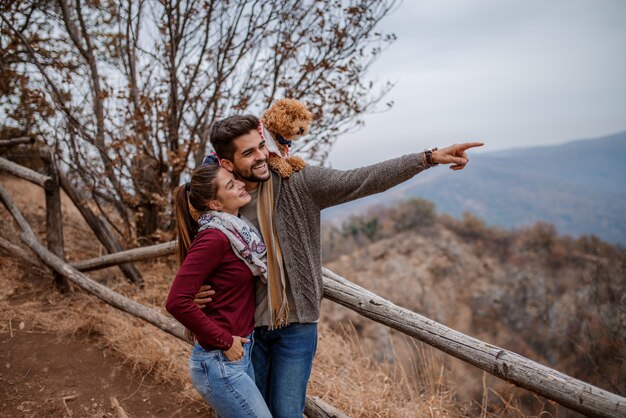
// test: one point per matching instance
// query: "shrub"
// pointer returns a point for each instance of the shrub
(414, 213)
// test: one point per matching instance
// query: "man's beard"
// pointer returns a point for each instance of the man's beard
(250, 176)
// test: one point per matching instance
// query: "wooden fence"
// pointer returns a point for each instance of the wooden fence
(549, 383)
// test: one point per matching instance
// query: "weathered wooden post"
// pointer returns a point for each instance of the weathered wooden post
(54, 214)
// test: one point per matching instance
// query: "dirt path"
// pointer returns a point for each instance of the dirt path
(42, 375)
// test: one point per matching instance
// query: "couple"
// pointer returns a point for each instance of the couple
(268, 284)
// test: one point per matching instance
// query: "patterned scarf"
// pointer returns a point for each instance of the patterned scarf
(276, 287)
(244, 238)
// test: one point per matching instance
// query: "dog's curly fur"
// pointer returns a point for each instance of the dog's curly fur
(290, 119)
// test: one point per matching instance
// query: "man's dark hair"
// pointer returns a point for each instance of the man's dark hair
(225, 131)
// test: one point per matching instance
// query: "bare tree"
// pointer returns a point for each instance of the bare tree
(131, 87)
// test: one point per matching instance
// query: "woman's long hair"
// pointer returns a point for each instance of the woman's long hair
(190, 201)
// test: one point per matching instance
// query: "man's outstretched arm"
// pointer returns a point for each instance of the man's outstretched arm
(329, 187)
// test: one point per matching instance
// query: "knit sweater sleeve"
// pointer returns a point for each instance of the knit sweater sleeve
(204, 256)
(329, 187)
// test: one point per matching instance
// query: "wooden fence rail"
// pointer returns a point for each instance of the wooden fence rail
(18, 252)
(549, 383)
(26, 173)
(136, 254)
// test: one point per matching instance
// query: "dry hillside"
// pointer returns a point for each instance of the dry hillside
(557, 300)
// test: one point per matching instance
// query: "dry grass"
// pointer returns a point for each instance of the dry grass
(349, 378)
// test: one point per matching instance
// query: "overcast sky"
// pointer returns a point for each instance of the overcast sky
(511, 73)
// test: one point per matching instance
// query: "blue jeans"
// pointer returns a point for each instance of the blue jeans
(228, 386)
(282, 360)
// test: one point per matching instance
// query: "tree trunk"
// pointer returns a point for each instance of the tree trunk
(147, 178)
(102, 231)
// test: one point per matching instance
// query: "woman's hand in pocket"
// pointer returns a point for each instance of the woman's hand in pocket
(235, 352)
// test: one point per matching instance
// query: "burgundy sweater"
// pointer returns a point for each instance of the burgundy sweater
(211, 260)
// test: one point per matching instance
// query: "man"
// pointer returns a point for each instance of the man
(287, 212)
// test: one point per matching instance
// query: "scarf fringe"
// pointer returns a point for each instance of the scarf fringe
(276, 280)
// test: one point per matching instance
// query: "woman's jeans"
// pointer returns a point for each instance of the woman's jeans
(228, 386)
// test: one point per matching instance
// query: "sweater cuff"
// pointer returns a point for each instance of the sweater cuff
(223, 340)
(421, 163)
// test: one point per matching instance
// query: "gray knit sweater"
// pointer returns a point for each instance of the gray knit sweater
(299, 200)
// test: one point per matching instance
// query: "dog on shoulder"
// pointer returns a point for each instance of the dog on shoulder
(286, 120)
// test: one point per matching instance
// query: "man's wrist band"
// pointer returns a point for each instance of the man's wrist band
(428, 156)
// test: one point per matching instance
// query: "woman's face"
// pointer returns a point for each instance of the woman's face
(231, 193)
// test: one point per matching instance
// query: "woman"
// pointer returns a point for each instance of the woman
(217, 247)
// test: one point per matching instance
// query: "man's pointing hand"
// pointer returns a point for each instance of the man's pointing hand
(454, 154)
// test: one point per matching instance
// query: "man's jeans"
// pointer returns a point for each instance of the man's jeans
(227, 385)
(282, 360)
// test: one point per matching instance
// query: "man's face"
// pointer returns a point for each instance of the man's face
(250, 158)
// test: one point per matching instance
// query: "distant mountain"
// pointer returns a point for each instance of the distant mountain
(580, 187)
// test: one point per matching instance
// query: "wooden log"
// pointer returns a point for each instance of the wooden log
(100, 229)
(26, 173)
(109, 296)
(551, 384)
(115, 404)
(136, 254)
(17, 141)
(18, 252)
(14, 211)
(54, 215)
(314, 407)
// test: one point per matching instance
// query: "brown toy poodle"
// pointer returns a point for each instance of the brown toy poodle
(286, 120)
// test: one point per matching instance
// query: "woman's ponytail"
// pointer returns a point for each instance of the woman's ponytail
(190, 200)
(186, 226)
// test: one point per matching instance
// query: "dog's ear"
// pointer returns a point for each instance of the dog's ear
(299, 110)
